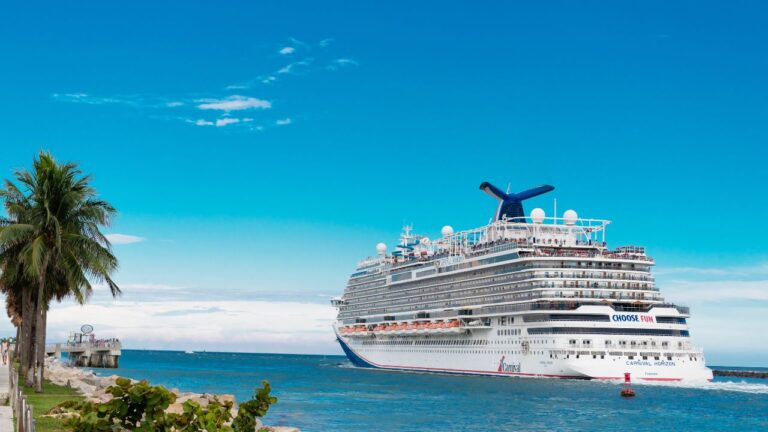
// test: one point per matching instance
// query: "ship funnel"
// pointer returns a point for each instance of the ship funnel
(510, 204)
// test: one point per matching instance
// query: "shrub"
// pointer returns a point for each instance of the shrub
(141, 407)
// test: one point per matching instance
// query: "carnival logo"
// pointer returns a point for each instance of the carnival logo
(508, 367)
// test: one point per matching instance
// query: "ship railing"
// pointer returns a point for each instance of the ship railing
(405, 306)
(592, 275)
(562, 304)
(560, 252)
(521, 293)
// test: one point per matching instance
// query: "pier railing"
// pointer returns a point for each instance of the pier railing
(22, 410)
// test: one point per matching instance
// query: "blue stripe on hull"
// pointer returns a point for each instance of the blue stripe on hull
(354, 358)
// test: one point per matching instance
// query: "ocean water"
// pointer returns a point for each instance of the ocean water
(326, 393)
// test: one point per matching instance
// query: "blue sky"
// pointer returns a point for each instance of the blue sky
(257, 150)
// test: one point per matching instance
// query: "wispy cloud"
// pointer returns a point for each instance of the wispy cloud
(221, 122)
(732, 271)
(341, 63)
(296, 67)
(297, 58)
(297, 42)
(84, 98)
(716, 284)
(233, 103)
(121, 239)
(226, 121)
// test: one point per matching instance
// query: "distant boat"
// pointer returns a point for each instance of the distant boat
(189, 352)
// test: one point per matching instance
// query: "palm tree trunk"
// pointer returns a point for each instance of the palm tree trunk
(24, 346)
(40, 316)
(16, 345)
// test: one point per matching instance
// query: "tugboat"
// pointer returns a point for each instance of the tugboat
(627, 391)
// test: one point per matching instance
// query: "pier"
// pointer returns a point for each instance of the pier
(104, 353)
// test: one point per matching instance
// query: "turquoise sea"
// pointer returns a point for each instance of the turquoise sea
(325, 393)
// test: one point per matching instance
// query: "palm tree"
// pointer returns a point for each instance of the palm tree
(57, 236)
(14, 282)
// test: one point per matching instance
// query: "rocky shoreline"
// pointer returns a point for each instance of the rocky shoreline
(740, 373)
(93, 388)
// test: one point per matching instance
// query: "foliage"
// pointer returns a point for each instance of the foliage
(43, 403)
(141, 407)
(256, 407)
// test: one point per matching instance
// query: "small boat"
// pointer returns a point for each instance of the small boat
(189, 352)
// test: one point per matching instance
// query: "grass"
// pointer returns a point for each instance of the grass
(51, 396)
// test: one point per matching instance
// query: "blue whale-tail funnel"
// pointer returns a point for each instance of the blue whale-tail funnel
(510, 204)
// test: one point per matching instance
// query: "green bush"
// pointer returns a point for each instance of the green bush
(141, 407)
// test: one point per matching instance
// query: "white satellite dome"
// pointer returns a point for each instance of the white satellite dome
(424, 241)
(381, 248)
(537, 215)
(447, 231)
(570, 217)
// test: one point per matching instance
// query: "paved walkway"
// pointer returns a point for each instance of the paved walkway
(6, 413)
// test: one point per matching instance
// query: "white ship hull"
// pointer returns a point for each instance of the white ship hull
(500, 356)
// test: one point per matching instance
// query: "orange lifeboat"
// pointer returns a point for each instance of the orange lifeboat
(454, 323)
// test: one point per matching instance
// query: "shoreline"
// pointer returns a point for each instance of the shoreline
(92, 387)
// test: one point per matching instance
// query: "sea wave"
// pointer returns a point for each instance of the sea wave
(733, 386)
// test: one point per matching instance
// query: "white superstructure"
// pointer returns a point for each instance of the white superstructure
(538, 298)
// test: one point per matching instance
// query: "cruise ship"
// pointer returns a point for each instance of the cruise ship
(531, 296)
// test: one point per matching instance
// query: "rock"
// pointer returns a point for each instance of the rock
(93, 387)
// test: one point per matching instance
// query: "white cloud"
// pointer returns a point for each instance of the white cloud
(287, 50)
(87, 99)
(120, 239)
(226, 121)
(325, 42)
(233, 103)
(340, 63)
(297, 42)
(262, 326)
(201, 122)
(284, 122)
(716, 290)
(174, 104)
(726, 302)
(295, 67)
